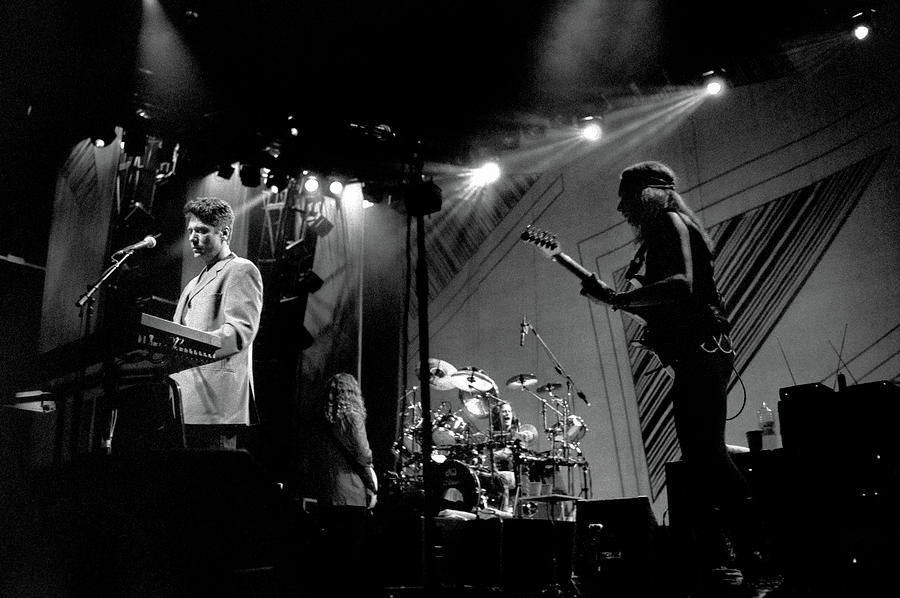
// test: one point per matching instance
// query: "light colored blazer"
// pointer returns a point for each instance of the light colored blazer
(227, 304)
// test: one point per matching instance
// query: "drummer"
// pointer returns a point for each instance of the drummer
(505, 427)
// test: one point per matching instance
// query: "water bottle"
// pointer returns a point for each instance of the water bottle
(766, 418)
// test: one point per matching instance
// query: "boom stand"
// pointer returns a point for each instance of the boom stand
(85, 305)
(567, 405)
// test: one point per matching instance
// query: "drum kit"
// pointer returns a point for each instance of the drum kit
(483, 469)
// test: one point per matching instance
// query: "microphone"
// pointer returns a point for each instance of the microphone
(583, 398)
(149, 242)
(523, 332)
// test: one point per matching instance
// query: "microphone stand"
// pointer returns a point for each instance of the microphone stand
(570, 384)
(85, 305)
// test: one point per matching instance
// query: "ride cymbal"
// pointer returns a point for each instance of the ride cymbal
(439, 373)
(520, 381)
(472, 379)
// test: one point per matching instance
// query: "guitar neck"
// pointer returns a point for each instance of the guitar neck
(571, 265)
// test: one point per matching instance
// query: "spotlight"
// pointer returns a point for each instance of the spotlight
(250, 176)
(311, 184)
(862, 24)
(276, 181)
(225, 171)
(590, 129)
(714, 82)
(335, 188)
(104, 137)
(486, 174)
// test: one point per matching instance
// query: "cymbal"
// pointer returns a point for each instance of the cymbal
(472, 379)
(526, 433)
(521, 381)
(549, 387)
(439, 372)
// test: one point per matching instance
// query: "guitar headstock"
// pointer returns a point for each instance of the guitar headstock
(544, 240)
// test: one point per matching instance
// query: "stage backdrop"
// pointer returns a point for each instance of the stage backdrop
(795, 180)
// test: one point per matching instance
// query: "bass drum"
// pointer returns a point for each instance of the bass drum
(457, 487)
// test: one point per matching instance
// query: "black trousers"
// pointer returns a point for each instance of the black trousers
(699, 398)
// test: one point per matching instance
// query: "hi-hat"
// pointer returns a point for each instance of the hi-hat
(472, 379)
(549, 387)
(521, 381)
(439, 373)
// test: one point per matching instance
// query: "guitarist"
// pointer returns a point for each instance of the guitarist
(673, 290)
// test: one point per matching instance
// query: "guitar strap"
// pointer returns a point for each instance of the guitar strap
(637, 262)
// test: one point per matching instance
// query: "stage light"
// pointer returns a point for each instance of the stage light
(311, 184)
(485, 174)
(276, 181)
(335, 189)
(250, 176)
(862, 24)
(225, 171)
(590, 129)
(104, 137)
(714, 82)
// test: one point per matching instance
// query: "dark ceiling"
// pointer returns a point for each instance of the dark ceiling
(447, 73)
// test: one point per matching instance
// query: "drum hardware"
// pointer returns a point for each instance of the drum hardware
(549, 387)
(449, 429)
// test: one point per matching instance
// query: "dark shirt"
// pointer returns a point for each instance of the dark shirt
(680, 326)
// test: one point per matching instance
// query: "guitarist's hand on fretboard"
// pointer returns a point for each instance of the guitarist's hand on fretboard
(596, 290)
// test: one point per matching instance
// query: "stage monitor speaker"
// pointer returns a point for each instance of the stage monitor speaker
(615, 546)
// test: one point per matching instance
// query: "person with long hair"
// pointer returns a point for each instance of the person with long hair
(344, 479)
(349, 478)
(674, 292)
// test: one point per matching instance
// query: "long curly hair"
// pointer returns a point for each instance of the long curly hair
(650, 188)
(343, 397)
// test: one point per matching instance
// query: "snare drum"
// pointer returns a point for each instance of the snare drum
(449, 429)
(457, 486)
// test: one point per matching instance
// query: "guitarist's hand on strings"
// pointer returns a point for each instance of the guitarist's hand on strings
(596, 290)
